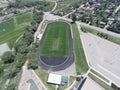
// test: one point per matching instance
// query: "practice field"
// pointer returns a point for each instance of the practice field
(12, 28)
(56, 40)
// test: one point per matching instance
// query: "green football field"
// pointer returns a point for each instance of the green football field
(56, 40)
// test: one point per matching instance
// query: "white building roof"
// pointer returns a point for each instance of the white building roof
(54, 78)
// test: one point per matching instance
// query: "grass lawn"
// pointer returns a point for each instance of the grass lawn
(101, 83)
(10, 38)
(80, 59)
(56, 40)
(95, 32)
(24, 18)
(43, 75)
(7, 25)
(11, 29)
(99, 75)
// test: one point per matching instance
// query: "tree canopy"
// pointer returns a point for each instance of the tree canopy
(8, 57)
(115, 27)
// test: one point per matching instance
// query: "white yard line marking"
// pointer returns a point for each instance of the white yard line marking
(108, 71)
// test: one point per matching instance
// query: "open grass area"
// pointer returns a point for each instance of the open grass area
(56, 40)
(11, 29)
(101, 34)
(43, 75)
(10, 38)
(7, 25)
(101, 83)
(99, 75)
(24, 18)
(80, 59)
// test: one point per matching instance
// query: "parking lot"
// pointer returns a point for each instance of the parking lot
(103, 56)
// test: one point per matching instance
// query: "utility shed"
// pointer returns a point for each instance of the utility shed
(54, 79)
(64, 79)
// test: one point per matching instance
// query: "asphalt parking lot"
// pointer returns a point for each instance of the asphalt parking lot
(103, 56)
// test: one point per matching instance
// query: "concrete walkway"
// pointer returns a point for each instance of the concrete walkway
(54, 6)
(28, 75)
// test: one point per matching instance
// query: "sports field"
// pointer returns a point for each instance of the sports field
(56, 40)
(12, 28)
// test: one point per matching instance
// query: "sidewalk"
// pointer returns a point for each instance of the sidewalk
(28, 75)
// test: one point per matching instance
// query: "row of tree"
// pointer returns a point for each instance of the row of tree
(24, 49)
(28, 3)
(115, 27)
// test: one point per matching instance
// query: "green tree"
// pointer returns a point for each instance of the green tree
(37, 16)
(11, 87)
(115, 27)
(28, 37)
(74, 18)
(23, 49)
(31, 28)
(8, 57)
(20, 60)
(78, 78)
(11, 73)
(32, 64)
(19, 43)
(1, 69)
